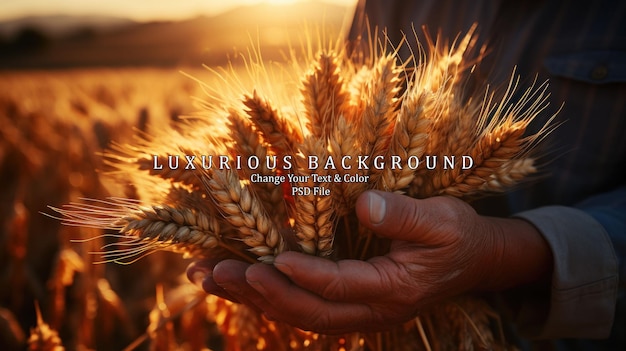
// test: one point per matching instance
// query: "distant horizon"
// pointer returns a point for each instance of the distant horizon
(136, 10)
(59, 42)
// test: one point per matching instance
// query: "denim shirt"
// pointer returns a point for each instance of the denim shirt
(578, 202)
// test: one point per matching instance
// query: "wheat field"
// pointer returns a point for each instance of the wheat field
(55, 126)
(79, 146)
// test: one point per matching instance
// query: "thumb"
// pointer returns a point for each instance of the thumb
(401, 217)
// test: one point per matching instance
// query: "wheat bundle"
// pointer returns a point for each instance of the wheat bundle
(260, 171)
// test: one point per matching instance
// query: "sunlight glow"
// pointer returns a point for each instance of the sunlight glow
(141, 10)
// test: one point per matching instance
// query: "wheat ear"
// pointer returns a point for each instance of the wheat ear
(42, 336)
(247, 142)
(278, 132)
(146, 229)
(244, 211)
(324, 95)
(314, 220)
(447, 63)
(378, 119)
(409, 139)
(501, 154)
(343, 142)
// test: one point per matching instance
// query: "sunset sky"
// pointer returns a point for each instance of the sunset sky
(136, 9)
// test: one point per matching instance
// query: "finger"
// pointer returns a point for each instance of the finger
(201, 274)
(401, 217)
(230, 275)
(197, 271)
(345, 280)
(282, 300)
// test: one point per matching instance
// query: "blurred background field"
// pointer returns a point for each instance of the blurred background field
(70, 87)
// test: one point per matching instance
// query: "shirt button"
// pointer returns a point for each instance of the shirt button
(599, 72)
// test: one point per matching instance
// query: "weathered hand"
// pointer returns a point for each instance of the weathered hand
(440, 248)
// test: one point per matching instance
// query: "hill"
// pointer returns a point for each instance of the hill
(195, 41)
(62, 25)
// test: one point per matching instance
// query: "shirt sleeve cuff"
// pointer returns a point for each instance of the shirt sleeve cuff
(584, 280)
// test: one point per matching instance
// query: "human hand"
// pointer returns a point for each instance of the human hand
(440, 248)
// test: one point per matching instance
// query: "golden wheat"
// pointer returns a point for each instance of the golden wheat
(324, 95)
(44, 338)
(244, 211)
(247, 142)
(314, 214)
(343, 142)
(378, 109)
(279, 133)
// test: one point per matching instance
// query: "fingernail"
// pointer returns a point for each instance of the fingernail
(198, 278)
(285, 269)
(256, 285)
(377, 208)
